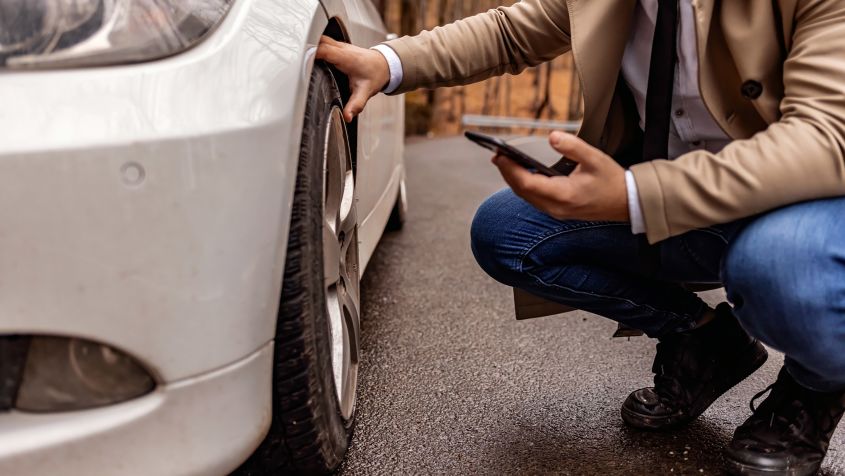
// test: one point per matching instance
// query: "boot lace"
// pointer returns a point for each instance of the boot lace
(786, 418)
(672, 377)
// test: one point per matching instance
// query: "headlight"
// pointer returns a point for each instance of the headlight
(62, 33)
(54, 374)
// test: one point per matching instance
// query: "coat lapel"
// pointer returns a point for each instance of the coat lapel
(703, 17)
(599, 31)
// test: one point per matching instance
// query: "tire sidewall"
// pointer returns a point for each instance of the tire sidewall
(324, 103)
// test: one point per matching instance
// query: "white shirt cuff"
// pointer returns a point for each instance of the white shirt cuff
(395, 65)
(634, 209)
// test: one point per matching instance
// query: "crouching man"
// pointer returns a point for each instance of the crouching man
(712, 151)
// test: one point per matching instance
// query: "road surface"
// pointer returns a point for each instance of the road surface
(452, 384)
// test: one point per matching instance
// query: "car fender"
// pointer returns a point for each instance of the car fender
(182, 271)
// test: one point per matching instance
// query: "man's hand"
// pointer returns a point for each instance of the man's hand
(367, 70)
(596, 190)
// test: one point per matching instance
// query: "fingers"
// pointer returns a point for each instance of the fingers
(329, 40)
(342, 55)
(353, 62)
(330, 50)
(517, 177)
(597, 192)
(538, 190)
(356, 103)
(575, 149)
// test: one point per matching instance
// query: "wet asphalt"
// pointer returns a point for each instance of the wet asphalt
(451, 383)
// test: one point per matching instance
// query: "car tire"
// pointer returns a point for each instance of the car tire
(313, 405)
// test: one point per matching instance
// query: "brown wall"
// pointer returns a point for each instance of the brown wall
(544, 92)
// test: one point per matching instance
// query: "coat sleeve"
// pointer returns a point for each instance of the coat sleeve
(801, 157)
(503, 40)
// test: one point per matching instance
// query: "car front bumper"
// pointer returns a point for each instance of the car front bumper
(198, 426)
(147, 206)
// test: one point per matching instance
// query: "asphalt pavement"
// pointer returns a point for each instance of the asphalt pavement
(451, 383)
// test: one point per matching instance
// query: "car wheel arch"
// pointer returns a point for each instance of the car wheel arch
(338, 32)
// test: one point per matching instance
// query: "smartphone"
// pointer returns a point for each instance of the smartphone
(564, 167)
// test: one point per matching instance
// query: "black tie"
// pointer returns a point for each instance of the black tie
(661, 79)
(658, 106)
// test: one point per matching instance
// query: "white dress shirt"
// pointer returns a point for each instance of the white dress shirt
(692, 126)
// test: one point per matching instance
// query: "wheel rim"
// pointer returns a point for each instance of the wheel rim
(340, 261)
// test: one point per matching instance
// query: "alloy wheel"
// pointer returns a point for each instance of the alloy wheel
(340, 260)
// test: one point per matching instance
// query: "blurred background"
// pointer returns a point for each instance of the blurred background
(549, 92)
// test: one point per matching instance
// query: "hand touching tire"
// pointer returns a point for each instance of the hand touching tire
(367, 70)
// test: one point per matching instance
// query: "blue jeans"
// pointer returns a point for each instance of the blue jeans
(784, 271)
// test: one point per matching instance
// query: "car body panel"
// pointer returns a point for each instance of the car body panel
(182, 270)
(147, 207)
(197, 427)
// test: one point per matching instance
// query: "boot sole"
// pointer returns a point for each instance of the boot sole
(756, 356)
(737, 468)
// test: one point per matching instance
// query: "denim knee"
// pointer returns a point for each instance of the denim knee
(787, 289)
(488, 240)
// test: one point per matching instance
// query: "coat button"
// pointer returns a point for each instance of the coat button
(751, 89)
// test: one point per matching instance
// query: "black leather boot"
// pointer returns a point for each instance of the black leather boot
(788, 435)
(692, 370)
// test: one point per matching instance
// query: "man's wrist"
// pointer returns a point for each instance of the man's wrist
(394, 66)
(635, 210)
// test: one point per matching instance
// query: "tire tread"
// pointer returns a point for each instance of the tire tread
(303, 438)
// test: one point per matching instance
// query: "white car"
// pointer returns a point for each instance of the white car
(184, 220)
